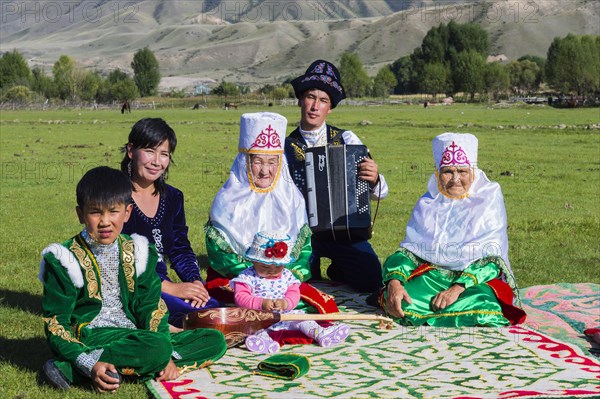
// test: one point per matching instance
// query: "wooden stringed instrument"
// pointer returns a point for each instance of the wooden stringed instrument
(237, 323)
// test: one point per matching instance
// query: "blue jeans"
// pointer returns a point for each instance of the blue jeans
(352, 262)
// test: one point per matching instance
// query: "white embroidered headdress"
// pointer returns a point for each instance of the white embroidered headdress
(455, 232)
(262, 132)
(241, 209)
(455, 149)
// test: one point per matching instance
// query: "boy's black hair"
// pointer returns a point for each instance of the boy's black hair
(103, 186)
(150, 133)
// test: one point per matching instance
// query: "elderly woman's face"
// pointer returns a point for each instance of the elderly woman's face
(264, 169)
(455, 181)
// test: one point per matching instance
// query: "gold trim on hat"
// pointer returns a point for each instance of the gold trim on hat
(260, 151)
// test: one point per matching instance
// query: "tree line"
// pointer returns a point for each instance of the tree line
(452, 59)
(71, 82)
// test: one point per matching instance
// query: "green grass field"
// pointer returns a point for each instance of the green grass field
(546, 160)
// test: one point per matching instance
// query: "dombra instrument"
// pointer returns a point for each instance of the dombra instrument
(237, 323)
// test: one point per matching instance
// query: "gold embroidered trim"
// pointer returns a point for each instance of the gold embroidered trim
(87, 261)
(390, 276)
(56, 329)
(326, 297)
(158, 315)
(332, 133)
(217, 236)
(128, 260)
(298, 274)
(417, 261)
(471, 276)
(298, 152)
(303, 234)
(79, 327)
(253, 186)
(260, 151)
(452, 314)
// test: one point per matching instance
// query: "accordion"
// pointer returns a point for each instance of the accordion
(338, 201)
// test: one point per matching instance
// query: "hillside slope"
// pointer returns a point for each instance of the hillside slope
(265, 41)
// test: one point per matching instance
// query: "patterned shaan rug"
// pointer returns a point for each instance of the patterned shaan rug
(563, 311)
(541, 359)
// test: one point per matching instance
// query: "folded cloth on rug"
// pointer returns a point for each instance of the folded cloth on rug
(287, 366)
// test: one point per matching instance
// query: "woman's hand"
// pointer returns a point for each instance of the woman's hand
(396, 293)
(447, 297)
(194, 293)
(103, 382)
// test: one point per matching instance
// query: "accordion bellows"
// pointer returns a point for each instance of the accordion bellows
(338, 201)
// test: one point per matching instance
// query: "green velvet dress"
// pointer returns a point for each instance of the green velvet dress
(481, 304)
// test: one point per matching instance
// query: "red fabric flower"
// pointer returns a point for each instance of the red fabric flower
(277, 250)
(280, 249)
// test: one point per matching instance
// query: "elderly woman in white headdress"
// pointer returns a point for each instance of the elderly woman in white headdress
(452, 268)
(256, 197)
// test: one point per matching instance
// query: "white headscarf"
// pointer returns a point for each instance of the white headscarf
(240, 209)
(453, 233)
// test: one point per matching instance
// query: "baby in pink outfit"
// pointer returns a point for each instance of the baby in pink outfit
(268, 285)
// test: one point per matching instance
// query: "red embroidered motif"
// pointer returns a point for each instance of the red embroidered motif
(268, 138)
(454, 155)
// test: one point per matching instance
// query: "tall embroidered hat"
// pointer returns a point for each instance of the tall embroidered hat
(262, 132)
(271, 248)
(455, 149)
(322, 75)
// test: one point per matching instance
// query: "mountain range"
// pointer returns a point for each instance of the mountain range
(267, 41)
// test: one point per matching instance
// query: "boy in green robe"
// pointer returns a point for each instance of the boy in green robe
(103, 314)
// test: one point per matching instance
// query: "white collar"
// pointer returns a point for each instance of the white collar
(317, 137)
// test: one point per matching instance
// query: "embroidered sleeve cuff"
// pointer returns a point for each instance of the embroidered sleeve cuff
(388, 282)
(86, 361)
(467, 279)
(395, 275)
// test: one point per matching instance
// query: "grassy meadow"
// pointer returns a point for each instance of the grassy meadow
(546, 160)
